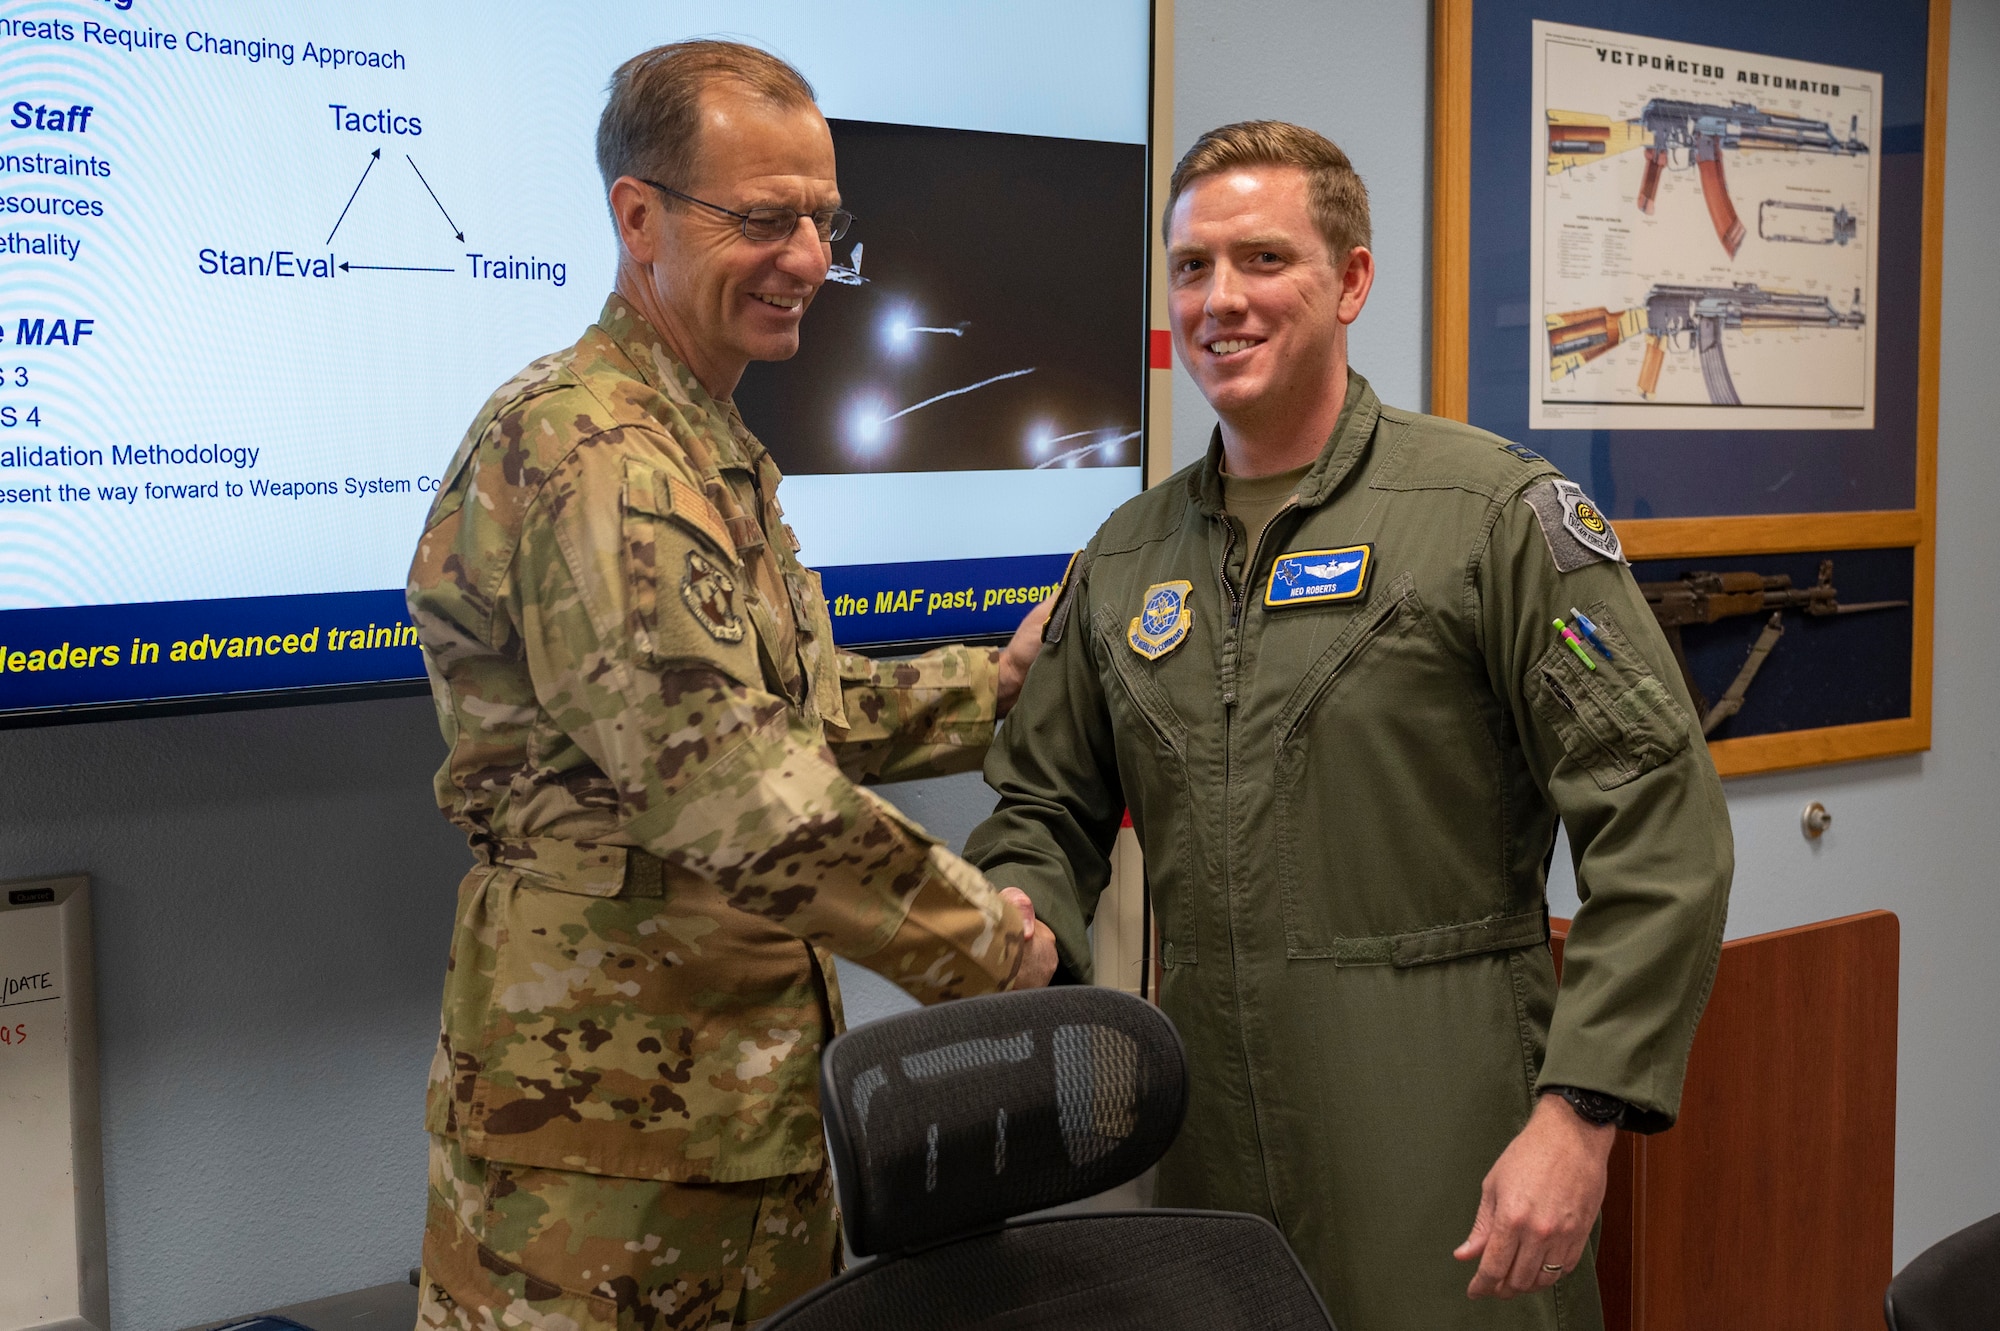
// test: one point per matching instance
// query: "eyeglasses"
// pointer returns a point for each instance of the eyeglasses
(767, 224)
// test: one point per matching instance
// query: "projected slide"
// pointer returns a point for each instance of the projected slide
(263, 264)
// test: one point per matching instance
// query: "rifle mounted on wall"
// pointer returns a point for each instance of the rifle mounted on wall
(1705, 598)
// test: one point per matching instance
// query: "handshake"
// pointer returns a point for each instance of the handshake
(1038, 955)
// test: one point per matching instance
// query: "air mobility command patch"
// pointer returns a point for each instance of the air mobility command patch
(1163, 620)
(710, 594)
(1576, 531)
(1310, 577)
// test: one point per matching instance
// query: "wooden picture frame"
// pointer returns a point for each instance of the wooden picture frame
(1912, 527)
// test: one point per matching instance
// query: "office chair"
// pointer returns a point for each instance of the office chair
(947, 1123)
(1953, 1285)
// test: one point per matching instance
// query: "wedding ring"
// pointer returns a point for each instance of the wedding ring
(1554, 1269)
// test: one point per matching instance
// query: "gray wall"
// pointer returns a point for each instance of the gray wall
(272, 897)
(274, 889)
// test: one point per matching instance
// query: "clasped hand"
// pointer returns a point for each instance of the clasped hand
(1038, 958)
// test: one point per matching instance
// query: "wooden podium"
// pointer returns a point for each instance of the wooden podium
(1770, 1203)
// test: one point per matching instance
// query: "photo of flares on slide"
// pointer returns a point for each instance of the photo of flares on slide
(985, 312)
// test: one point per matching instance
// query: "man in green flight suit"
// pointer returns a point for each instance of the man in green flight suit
(637, 683)
(1321, 670)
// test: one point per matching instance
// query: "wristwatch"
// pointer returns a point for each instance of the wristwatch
(1590, 1106)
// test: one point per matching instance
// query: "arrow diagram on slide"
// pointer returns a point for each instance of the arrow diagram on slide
(433, 193)
(373, 158)
(389, 268)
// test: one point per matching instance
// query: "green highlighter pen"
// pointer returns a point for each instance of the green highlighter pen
(1575, 644)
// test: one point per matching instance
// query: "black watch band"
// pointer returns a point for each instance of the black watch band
(1590, 1106)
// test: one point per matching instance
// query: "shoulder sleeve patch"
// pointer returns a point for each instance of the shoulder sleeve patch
(683, 598)
(1058, 620)
(1576, 532)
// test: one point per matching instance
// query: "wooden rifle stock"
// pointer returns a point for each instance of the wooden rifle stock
(1649, 370)
(1649, 184)
(1715, 193)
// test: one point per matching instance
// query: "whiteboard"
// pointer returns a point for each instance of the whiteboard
(52, 1269)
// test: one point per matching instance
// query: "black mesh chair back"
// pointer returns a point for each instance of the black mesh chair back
(962, 1115)
(1953, 1285)
(948, 1122)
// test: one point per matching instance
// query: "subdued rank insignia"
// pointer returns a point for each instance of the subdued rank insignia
(1523, 452)
(1305, 577)
(1163, 620)
(710, 594)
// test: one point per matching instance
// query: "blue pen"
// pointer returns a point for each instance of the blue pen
(1590, 632)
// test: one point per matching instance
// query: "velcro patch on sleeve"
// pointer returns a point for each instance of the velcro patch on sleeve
(1058, 620)
(1576, 531)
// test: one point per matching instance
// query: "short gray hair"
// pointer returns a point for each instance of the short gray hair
(651, 124)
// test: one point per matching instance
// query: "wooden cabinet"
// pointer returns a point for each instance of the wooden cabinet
(1771, 1202)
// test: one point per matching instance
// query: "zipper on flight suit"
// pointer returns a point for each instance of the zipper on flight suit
(1235, 598)
(1229, 589)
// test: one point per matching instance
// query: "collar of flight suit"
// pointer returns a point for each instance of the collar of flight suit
(662, 370)
(1343, 449)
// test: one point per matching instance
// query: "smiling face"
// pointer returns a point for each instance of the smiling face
(719, 299)
(1259, 307)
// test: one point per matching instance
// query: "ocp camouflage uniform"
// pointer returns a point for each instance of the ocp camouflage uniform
(637, 682)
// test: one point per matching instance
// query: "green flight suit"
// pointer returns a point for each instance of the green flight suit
(1347, 803)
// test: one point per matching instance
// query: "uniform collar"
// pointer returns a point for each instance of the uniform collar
(1358, 414)
(663, 371)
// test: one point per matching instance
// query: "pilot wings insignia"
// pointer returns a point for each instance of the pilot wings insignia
(1314, 576)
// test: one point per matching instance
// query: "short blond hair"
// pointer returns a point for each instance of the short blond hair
(1336, 196)
(651, 125)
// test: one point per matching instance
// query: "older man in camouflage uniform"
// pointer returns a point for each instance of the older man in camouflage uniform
(638, 683)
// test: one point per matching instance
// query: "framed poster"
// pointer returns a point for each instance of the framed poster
(1692, 255)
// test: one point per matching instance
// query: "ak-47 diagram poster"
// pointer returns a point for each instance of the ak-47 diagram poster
(1703, 251)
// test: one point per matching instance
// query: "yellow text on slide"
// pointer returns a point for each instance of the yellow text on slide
(906, 599)
(97, 656)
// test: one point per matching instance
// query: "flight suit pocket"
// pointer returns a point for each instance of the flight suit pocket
(1383, 725)
(685, 593)
(1155, 776)
(1617, 721)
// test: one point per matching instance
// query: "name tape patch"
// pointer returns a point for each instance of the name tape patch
(1163, 620)
(1314, 576)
